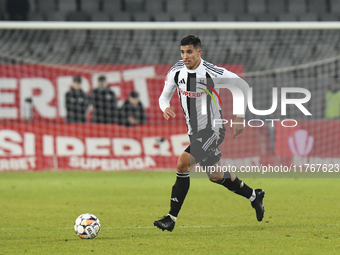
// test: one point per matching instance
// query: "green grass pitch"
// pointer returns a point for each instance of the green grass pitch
(38, 210)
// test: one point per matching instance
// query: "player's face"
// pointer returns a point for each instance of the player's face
(76, 85)
(191, 56)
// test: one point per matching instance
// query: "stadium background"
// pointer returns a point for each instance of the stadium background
(40, 64)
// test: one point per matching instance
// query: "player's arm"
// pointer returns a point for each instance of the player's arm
(164, 99)
(164, 104)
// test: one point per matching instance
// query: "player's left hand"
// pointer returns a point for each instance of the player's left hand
(238, 126)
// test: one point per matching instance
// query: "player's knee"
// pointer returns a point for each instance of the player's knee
(183, 166)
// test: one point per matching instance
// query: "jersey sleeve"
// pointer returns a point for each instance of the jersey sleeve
(168, 91)
(169, 83)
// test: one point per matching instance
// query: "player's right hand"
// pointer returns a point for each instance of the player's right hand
(169, 112)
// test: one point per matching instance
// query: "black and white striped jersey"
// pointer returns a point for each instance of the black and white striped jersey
(198, 95)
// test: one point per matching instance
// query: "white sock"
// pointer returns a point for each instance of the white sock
(253, 196)
(173, 217)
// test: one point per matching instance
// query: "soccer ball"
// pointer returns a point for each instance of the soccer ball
(87, 226)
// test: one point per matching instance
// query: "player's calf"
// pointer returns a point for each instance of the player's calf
(234, 184)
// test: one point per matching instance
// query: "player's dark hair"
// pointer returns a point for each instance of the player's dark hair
(191, 40)
(134, 94)
(102, 78)
(77, 79)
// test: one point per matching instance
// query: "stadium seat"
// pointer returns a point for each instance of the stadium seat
(150, 58)
(225, 17)
(266, 17)
(121, 16)
(317, 6)
(36, 16)
(162, 17)
(100, 16)
(325, 50)
(277, 7)
(153, 7)
(2, 15)
(183, 16)
(236, 7)
(89, 5)
(246, 17)
(111, 6)
(99, 37)
(46, 6)
(175, 6)
(334, 6)
(33, 5)
(56, 16)
(256, 6)
(297, 6)
(168, 36)
(141, 16)
(67, 5)
(287, 17)
(78, 38)
(78, 16)
(308, 17)
(196, 6)
(204, 17)
(134, 5)
(2, 10)
(216, 7)
(329, 17)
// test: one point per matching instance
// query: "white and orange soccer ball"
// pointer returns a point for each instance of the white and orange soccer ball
(87, 226)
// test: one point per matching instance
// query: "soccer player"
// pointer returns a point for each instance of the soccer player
(186, 75)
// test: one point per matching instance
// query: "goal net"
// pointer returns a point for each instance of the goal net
(40, 62)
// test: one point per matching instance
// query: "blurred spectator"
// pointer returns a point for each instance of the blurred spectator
(104, 103)
(332, 108)
(77, 102)
(132, 112)
(27, 113)
(18, 9)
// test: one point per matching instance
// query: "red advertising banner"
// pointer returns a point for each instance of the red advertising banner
(48, 84)
(90, 146)
(113, 147)
(47, 142)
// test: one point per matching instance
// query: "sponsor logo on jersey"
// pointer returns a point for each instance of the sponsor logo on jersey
(191, 94)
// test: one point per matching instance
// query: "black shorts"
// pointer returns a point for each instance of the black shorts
(204, 146)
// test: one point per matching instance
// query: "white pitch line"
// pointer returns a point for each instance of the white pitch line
(148, 227)
(127, 227)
